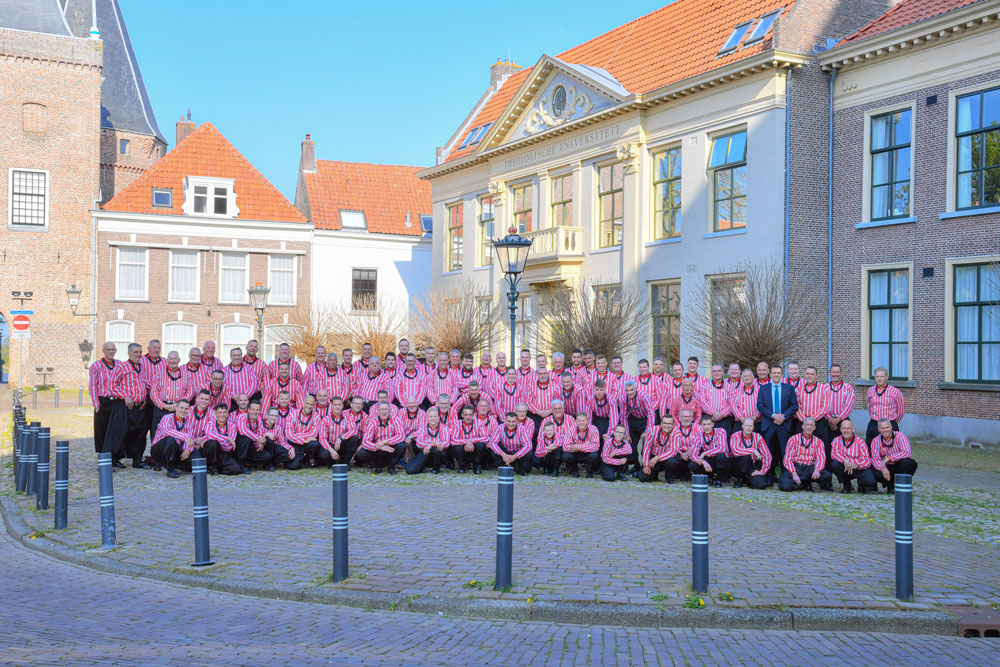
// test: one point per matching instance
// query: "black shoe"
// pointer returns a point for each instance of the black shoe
(461, 469)
(620, 475)
(270, 468)
(718, 484)
(173, 474)
(213, 472)
(670, 480)
(391, 470)
(246, 470)
(522, 473)
(590, 474)
(376, 471)
(738, 484)
(477, 470)
(575, 474)
(157, 468)
(117, 464)
(555, 473)
(436, 471)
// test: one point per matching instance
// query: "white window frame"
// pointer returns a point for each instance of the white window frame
(246, 277)
(10, 199)
(866, 167)
(295, 281)
(122, 353)
(269, 348)
(223, 349)
(170, 277)
(168, 191)
(866, 332)
(145, 294)
(187, 208)
(194, 338)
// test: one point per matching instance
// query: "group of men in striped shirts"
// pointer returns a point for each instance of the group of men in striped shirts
(444, 410)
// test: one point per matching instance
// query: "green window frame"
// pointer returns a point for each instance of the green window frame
(977, 323)
(562, 201)
(486, 222)
(665, 310)
(667, 194)
(611, 199)
(890, 139)
(728, 163)
(522, 207)
(455, 237)
(889, 322)
(977, 132)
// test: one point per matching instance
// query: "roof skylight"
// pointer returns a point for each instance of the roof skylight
(763, 25)
(735, 38)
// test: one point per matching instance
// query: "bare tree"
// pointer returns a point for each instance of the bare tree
(745, 317)
(459, 317)
(589, 315)
(337, 326)
(309, 328)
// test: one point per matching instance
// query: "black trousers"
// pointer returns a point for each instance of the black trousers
(727, 425)
(521, 465)
(380, 459)
(464, 459)
(149, 422)
(654, 472)
(304, 454)
(281, 456)
(248, 448)
(158, 414)
(573, 460)
(865, 477)
(720, 467)
(676, 467)
(901, 467)
(636, 427)
(348, 448)
(872, 431)
(125, 435)
(787, 483)
(549, 462)
(743, 467)
(602, 424)
(166, 452)
(101, 419)
(434, 458)
(538, 427)
(209, 451)
(610, 473)
(777, 440)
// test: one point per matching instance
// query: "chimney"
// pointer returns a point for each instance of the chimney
(500, 70)
(184, 127)
(307, 161)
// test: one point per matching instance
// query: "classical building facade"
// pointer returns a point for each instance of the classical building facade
(626, 167)
(916, 205)
(372, 242)
(179, 247)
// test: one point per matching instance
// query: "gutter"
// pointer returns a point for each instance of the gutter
(788, 179)
(829, 228)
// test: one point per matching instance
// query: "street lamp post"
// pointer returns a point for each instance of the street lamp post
(258, 299)
(512, 252)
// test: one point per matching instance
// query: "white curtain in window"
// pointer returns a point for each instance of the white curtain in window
(900, 325)
(900, 287)
(991, 362)
(967, 362)
(234, 335)
(233, 278)
(184, 275)
(178, 337)
(900, 360)
(120, 333)
(282, 279)
(132, 273)
(989, 283)
(967, 321)
(880, 356)
(880, 132)
(878, 288)
(880, 325)
(965, 284)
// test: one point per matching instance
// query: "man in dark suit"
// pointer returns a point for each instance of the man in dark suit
(776, 403)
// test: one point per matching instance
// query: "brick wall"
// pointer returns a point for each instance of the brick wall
(63, 75)
(117, 170)
(926, 243)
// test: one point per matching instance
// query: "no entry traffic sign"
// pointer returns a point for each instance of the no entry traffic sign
(20, 322)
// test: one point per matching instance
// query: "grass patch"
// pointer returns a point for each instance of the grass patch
(986, 460)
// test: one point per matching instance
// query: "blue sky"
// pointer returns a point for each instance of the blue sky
(371, 81)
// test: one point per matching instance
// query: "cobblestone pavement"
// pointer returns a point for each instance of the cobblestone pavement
(54, 612)
(575, 540)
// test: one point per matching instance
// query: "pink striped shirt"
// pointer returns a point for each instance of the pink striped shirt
(740, 445)
(102, 378)
(129, 384)
(710, 445)
(805, 452)
(716, 399)
(433, 437)
(224, 434)
(213, 364)
(151, 369)
(461, 432)
(463, 378)
(813, 401)
(650, 385)
(412, 422)
(513, 442)
(506, 398)
(170, 388)
(613, 452)
(294, 370)
(886, 403)
(332, 427)
(855, 451)
(241, 380)
(409, 384)
(656, 443)
(897, 449)
(604, 408)
(438, 384)
(641, 406)
(681, 402)
(671, 389)
(275, 386)
(369, 386)
(302, 428)
(841, 397)
(564, 426)
(588, 441)
(544, 443)
(745, 403)
(684, 439)
(198, 377)
(171, 427)
(539, 397)
(377, 430)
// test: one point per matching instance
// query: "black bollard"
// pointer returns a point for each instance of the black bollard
(699, 533)
(42, 484)
(18, 429)
(22, 457)
(62, 483)
(904, 537)
(199, 476)
(505, 526)
(340, 522)
(31, 469)
(107, 491)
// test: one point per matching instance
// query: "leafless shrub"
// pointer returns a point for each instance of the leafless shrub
(589, 315)
(310, 327)
(745, 317)
(337, 326)
(456, 318)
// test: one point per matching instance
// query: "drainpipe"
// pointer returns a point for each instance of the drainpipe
(788, 178)
(829, 229)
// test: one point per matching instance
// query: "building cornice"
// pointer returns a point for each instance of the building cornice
(370, 236)
(920, 35)
(769, 61)
(227, 223)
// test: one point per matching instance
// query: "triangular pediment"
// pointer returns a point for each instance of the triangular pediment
(555, 93)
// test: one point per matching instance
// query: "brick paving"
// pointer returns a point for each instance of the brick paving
(56, 613)
(575, 540)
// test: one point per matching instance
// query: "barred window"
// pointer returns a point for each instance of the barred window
(27, 200)
(364, 289)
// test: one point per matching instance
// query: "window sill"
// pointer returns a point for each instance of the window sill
(964, 213)
(29, 228)
(234, 303)
(184, 303)
(131, 301)
(600, 251)
(281, 305)
(483, 268)
(456, 272)
(968, 386)
(727, 232)
(900, 384)
(652, 244)
(885, 223)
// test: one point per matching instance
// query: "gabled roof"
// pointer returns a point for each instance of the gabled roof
(34, 16)
(387, 193)
(680, 40)
(906, 13)
(205, 152)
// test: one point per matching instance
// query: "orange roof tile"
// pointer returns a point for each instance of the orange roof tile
(205, 152)
(906, 13)
(668, 45)
(387, 193)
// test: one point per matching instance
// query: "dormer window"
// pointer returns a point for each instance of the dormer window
(213, 197)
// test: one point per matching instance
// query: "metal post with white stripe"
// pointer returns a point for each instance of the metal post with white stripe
(199, 476)
(699, 533)
(62, 483)
(19, 427)
(340, 562)
(42, 483)
(107, 493)
(31, 460)
(904, 537)
(505, 526)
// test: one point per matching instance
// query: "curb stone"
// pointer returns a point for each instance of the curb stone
(552, 611)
